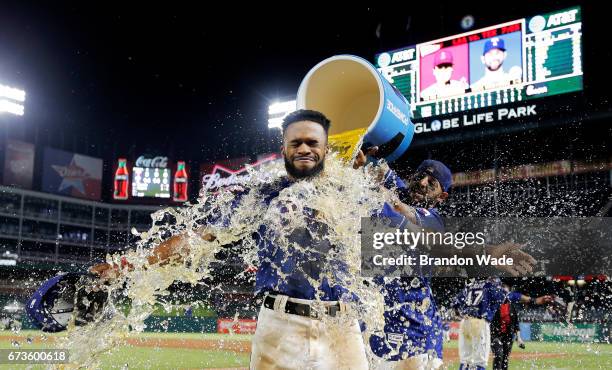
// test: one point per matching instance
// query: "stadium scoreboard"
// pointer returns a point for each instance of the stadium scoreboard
(513, 62)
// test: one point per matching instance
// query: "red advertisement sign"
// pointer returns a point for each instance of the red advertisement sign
(474, 177)
(19, 164)
(558, 168)
(454, 330)
(230, 172)
(236, 326)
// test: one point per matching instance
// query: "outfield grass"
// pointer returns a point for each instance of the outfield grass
(148, 357)
(568, 356)
(537, 355)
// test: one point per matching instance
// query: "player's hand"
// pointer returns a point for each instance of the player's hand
(522, 262)
(362, 157)
(544, 300)
(209, 237)
(105, 271)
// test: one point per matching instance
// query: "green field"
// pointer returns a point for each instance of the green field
(537, 355)
(546, 355)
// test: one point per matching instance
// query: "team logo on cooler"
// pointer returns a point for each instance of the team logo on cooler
(397, 112)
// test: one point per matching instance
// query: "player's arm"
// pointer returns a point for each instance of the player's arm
(515, 326)
(525, 299)
(384, 174)
(407, 211)
(522, 262)
(169, 251)
(426, 222)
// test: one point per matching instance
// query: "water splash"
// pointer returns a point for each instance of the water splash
(337, 199)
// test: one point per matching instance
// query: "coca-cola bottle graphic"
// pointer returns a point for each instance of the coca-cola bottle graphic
(122, 179)
(180, 183)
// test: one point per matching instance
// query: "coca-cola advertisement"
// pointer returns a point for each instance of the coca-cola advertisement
(18, 164)
(231, 172)
(151, 177)
(181, 183)
(72, 174)
(121, 182)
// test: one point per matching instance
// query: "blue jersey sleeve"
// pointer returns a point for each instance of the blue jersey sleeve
(496, 297)
(220, 218)
(496, 293)
(393, 218)
(514, 296)
(392, 180)
(429, 219)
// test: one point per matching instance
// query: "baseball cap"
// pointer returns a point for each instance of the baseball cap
(439, 171)
(494, 43)
(51, 306)
(443, 57)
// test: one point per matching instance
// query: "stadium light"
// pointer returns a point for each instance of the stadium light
(11, 100)
(278, 111)
(12, 93)
(8, 259)
(10, 107)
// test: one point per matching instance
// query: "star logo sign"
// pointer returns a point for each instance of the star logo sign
(72, 176)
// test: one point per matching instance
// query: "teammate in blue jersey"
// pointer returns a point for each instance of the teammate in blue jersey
(477, 304)
(413, 333)
(414, 313)
(412, 337)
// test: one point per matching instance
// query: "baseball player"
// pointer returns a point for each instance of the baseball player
(413, 328)
(504, 330)
(413, 333)
(412, 337)
(444, 86)
(477, 304)
(290, 333)
(493, 56)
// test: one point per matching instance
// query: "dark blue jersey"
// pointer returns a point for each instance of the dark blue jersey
(481, 298)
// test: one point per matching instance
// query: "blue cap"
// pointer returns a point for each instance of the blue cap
(50, 307)
(439, 171)
(494, 43)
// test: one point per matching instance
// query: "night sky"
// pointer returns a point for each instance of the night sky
(196, 82)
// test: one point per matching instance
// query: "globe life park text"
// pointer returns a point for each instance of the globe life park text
(402, 239)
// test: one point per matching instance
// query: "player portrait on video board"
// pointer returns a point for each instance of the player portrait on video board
(496, 62)
(444, 73)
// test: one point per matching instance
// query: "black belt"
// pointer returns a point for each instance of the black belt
(302, 309)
